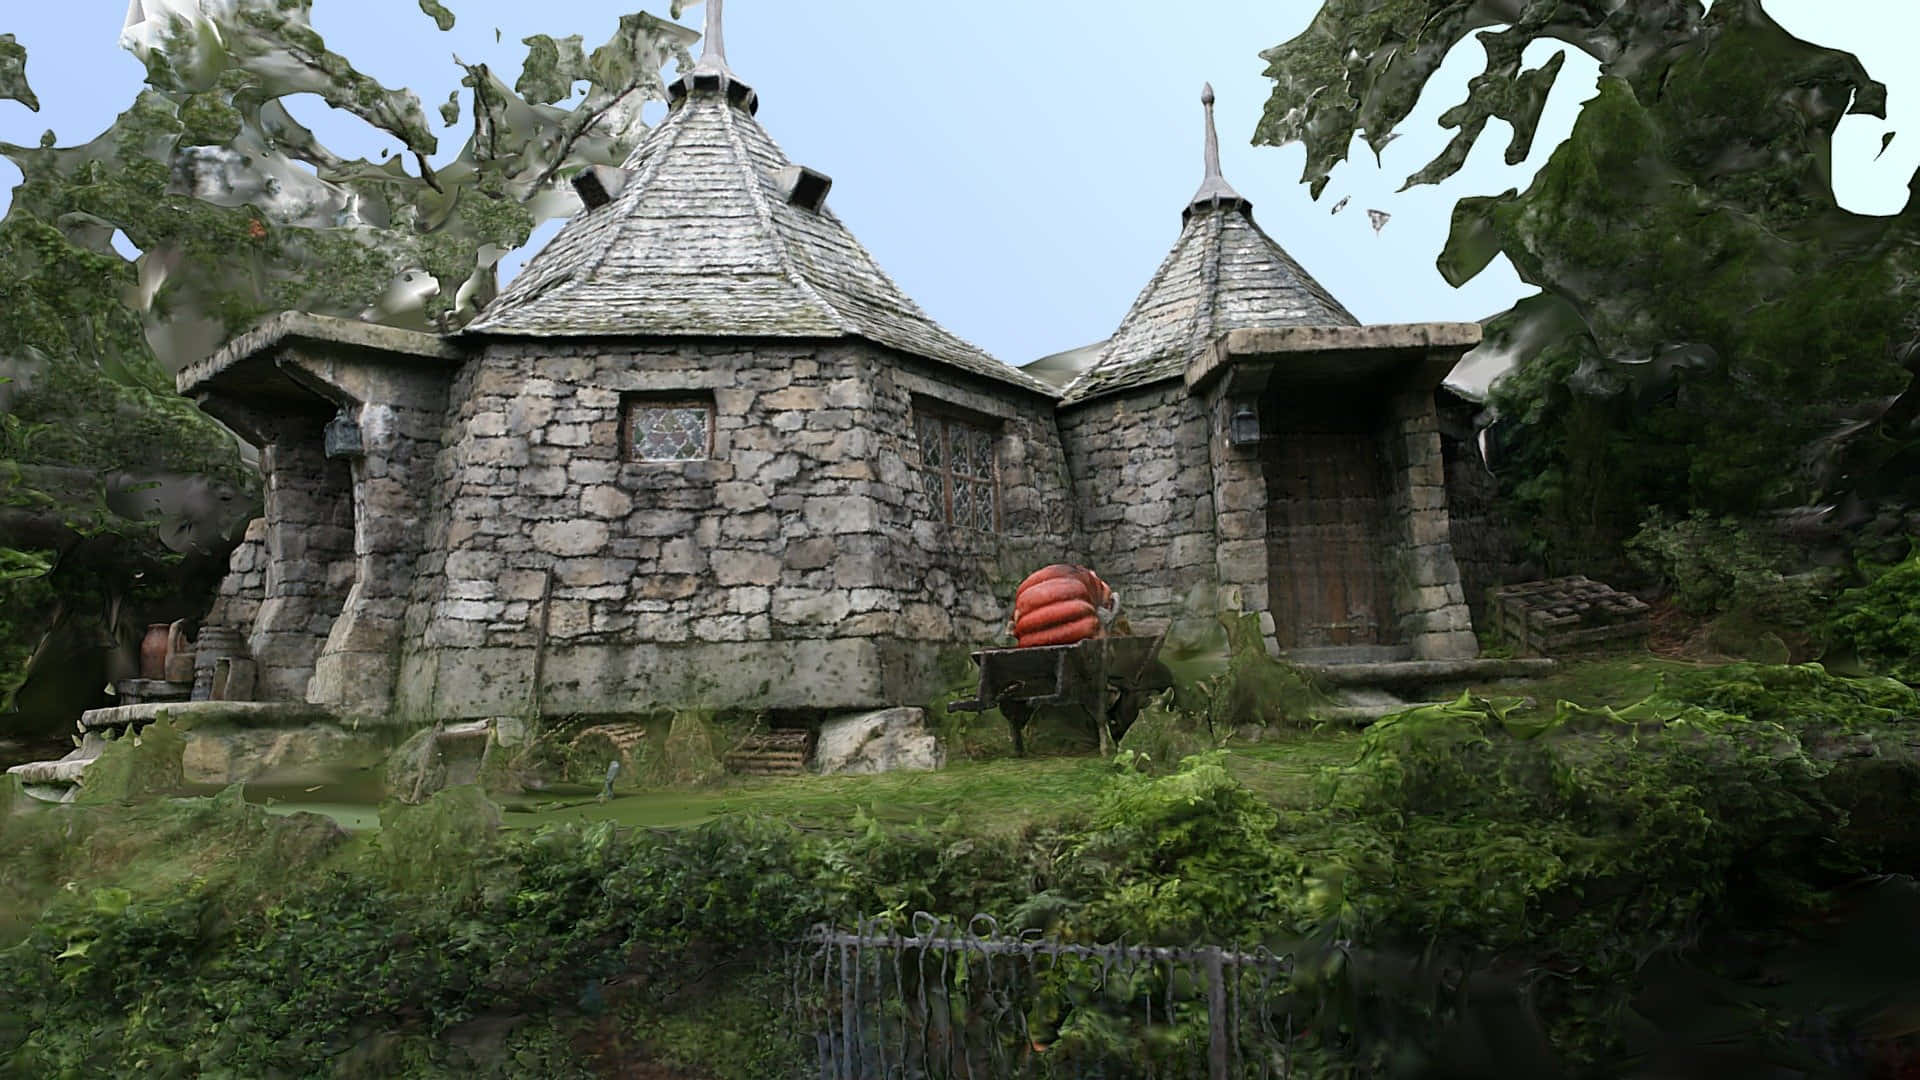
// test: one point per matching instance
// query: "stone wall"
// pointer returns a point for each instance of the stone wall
(955, 584)
(1139, 464)
(237, 603)
(1428, 597)
(786, 570)
(310, 562)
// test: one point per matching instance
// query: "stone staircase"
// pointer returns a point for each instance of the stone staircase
(780, 752)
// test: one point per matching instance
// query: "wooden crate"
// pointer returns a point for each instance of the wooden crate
(1563, 615)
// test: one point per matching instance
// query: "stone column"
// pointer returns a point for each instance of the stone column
(385, 436)
(392, 470)
(309, 538)
(1427, 597)
(1240, 516)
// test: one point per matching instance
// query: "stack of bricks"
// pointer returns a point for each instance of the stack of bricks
(1560, 615)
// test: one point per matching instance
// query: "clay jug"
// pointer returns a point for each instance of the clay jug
(153, 651)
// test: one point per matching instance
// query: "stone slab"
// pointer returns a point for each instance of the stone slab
(299, 326)
(192, 714)
(885, 740)
(64, 772)
(1415, 672)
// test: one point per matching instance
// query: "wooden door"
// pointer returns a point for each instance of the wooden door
(1326, 524)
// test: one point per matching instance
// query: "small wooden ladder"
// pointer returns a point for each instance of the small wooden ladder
(780, 752)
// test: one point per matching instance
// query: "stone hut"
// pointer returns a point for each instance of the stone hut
(703, 451)
(1242, 431)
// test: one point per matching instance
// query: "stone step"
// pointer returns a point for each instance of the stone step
(56, 781)
(796, 761)
(768, 769)
(1416, 672)
(1362, 715)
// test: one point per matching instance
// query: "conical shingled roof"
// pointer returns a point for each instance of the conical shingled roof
(703, 241)
(1223, 274)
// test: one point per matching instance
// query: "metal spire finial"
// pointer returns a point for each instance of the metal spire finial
(713, 43)
(1213, 136)
(1214, 189)
(712, 72)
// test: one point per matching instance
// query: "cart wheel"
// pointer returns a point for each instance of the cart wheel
(1124, 712)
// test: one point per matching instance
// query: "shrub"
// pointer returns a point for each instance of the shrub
(1723, 566)
(1880, 621)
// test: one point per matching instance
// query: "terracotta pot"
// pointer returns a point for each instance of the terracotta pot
(153, 651)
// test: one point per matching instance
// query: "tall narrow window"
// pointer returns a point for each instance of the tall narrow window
(957, 466)
(667, 428)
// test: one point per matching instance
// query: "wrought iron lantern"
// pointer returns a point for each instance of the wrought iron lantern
(1243, 428)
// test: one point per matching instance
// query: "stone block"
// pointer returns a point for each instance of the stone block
(660, 523)
(606, 501)
(876, 742)
(830, 514)
(567, 538)
(566, 435)
(748, 600)
(1242, 562)
(745, 568)
(805, 398)
(811, 607)
(682, 556)
(583, 471)
(666, 586)
(569, 618)
(740, 495)
(590, 572)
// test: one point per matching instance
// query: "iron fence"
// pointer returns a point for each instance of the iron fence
(947, 1002)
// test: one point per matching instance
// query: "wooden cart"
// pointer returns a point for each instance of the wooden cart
(1110, 677)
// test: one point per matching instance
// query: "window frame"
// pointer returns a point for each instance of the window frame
(947, 419)
(633, 403)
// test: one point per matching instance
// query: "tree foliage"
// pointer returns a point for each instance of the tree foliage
(1713, 331)
(237, 212)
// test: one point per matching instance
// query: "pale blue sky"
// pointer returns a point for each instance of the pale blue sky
(1019, 170)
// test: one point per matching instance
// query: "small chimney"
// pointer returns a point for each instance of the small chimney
(597, 185)
(804, 187)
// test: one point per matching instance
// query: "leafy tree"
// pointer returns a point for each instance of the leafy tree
(1712, 331)
(123, 495)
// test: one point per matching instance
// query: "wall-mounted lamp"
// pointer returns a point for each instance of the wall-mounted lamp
(1243, 428)
(342, 437)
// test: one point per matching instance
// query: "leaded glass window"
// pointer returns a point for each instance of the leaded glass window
(957, 469)
(660, 429)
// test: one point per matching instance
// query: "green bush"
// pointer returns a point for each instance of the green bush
(1472, 834)
(1880, 621)
(1723, 566)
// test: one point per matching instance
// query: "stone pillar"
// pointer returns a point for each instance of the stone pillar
(1240, 516)
(1427, 597)
(392, 467)
(309, 541)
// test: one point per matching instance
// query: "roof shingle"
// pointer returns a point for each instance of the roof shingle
(702, 241)
(1224, 273)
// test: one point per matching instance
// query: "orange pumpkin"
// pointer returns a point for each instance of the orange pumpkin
(1059, 605)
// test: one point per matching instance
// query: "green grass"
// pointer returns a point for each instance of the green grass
(1003, 795)
(1607, 680)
